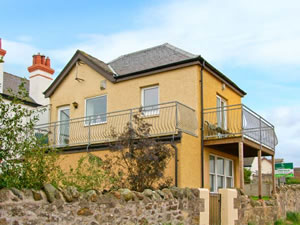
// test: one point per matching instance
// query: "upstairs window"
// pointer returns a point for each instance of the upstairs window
(221, 112)
(150, 100)
(96, 109)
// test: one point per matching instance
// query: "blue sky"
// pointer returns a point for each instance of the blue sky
(255, 43)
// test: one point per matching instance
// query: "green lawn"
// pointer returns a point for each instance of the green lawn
(256, 198)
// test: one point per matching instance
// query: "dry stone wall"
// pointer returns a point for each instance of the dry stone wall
(263, 212)
(52, 206)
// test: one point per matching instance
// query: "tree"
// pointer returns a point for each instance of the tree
(247, 176)
(140, 159)
(25, 162)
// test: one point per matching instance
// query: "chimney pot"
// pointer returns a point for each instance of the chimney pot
(43, 59)
(48, 62)
(38, 59)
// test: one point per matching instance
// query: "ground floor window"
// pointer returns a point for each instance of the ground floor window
(220, 173)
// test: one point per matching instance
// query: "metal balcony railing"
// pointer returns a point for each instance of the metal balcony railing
(165, 119)
(238, 120)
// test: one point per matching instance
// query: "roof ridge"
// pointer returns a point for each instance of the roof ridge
(138, 51)
(188, 54)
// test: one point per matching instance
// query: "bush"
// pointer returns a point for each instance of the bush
(140, 160)
(25, 162)
(291, 180)
(91, 173)
(247, 175)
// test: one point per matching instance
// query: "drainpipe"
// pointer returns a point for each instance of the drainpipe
(202, 125)
(176, 160)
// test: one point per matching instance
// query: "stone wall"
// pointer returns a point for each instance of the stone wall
(50, 206)
(263, 212)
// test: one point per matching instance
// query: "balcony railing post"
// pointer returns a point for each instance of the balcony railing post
(89, 132)
(242, 120)
(54, 134)
(176, 116)
(130, 119)
(260, 131)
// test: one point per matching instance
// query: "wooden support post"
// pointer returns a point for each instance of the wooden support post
(273, 175)
(259, 175)
(241, 164)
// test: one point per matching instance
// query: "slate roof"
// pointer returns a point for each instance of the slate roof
(12, 82)
(149, 58)
(100, 63)
(248, 161)
(139, 63)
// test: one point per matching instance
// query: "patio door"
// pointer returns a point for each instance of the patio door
(221, 112)
(64, 125)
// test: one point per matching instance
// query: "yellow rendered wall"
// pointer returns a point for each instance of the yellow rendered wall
(177, 85)
(235, 159)
(182, 85)
(212, 88)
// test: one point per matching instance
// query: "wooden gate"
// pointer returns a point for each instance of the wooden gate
(214, 209)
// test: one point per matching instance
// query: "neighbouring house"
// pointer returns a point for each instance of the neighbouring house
(179, 93)
(39, 81)
(252, 164)
(297, 172)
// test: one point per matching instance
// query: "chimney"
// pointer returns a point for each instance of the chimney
(2, 54)
(40, 78)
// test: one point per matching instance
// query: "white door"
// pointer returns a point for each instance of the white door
(64, 125)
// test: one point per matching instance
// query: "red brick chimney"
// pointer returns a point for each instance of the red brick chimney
(40, 63)
(2, 54)
(2, 51)
(40, 78)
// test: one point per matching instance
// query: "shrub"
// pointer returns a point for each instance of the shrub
(91, 173)
(247, 175)
(25, 162)
(291, 180)
(140, 160)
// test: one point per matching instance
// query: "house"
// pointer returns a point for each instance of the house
(179, 93)
(252, 164)
(39, 80)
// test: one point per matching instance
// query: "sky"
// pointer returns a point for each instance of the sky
(255, 43)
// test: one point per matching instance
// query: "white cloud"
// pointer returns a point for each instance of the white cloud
(246, 32)
(287, 124)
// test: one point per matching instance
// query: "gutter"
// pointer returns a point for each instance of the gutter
(202, 125)
(176, 162)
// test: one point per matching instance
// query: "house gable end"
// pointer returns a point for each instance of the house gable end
(79, 56)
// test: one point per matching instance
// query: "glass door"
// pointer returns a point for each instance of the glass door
(64, 125)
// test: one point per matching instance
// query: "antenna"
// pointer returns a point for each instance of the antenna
(76, 73)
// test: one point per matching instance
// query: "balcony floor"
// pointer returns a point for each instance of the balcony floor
(230, 146)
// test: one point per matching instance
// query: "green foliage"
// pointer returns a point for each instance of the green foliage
(138, 159)
(247, 175)
(292, 180)
(250, 223)
(25, 162)
(91, 173)
(257, 198)
(292, 218)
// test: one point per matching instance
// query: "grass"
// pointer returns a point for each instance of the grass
(291, 219)
(257, 198)
(291, 180)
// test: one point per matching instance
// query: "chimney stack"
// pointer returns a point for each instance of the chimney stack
(40, 78)
(2, 54)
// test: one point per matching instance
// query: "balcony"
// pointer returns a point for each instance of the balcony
(238, 121)
(165, 119)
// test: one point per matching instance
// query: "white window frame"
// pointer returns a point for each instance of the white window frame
(86, 122)
(222, 113)
(59, 109)
(149, 112)
(215, 188)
